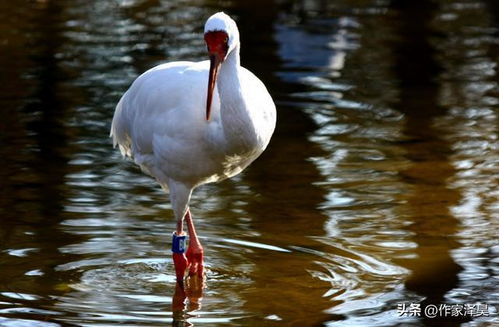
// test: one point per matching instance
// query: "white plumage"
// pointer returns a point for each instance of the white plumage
(161, 121)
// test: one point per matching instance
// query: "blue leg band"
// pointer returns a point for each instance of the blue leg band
(178, 243)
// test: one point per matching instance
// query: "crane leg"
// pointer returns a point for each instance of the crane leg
(195, 251)
(179, 258)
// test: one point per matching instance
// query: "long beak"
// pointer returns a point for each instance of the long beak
(214, 66)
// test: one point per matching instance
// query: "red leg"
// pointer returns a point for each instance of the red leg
(195, 251)
(179, 259)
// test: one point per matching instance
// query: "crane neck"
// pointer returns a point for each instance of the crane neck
(229, 83)
(230, 67)
(233, 106)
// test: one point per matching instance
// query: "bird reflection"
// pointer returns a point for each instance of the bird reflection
(187, 299)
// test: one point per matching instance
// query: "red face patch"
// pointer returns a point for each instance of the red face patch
(217, 43)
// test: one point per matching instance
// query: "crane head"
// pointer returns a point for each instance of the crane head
(217, 43)
(221, 36)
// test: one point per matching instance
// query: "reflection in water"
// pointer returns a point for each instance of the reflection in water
(470, 91)
(378, 187)
(187, 301)
(434, 228)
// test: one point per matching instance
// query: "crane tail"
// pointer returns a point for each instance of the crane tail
(119, 131)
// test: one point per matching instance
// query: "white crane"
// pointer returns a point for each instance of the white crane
(191, 123)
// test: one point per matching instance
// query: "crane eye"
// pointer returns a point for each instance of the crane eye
(226, 40)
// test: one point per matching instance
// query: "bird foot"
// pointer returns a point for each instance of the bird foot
(191, 260)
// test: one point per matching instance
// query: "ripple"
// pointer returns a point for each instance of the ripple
(86, 263)
(147, 298)
(20, 296)
(21, 252)
(35, 272)
(26, 310)
(6, 322)
(256, 245)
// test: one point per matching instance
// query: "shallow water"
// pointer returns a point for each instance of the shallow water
(379, 187)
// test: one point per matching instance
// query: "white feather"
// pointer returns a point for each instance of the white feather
(160, 121)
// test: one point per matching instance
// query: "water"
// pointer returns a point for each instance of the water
(379, 187)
